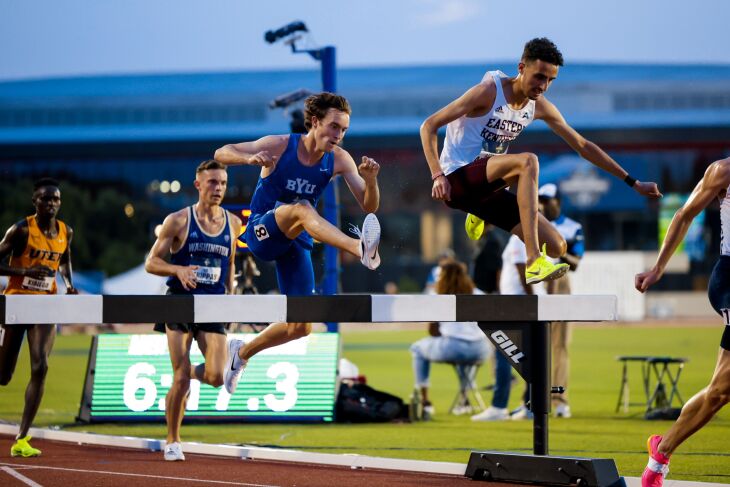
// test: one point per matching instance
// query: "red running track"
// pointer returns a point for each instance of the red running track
(73, 465)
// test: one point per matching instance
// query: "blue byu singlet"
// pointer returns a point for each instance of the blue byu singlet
(292, 181)
(211, 253)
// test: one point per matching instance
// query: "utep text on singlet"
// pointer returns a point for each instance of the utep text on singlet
(490, 134)
(211, 253)
(40, 250)
(292, 181)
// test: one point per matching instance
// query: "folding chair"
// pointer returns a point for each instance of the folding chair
(463, 403)
(624, 395)
(661, 366)
(657, 371)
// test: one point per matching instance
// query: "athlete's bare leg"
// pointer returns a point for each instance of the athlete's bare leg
(701, 408)
(522, 168)
(213, 348)
(294, 218)
(40, 343)
(178, 344)
(548, 234)
(275, 334)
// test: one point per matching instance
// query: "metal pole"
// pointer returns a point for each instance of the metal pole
(330, 198)
(540, 385)
(329, 69)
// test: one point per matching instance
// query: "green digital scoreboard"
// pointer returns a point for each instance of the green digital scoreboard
(128, 377)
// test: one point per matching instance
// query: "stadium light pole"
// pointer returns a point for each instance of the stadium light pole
(330, 199)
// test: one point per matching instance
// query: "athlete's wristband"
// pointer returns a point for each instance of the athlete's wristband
(438, 174)
(630, 181)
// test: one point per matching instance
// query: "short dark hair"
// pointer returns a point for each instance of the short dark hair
(210, 164)
(318, 105)
(43, 182)
(543, 49)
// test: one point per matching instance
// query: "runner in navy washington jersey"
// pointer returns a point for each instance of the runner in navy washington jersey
(699, 410)
(475, 168)
(202, 242)
(294, 171)
(210, 254)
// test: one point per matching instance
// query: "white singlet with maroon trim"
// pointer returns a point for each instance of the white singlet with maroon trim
(490, 134)
(725, 223)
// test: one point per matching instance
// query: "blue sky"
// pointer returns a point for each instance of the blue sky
(46, 38)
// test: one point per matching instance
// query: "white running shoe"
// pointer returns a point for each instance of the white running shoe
(521, 413)
(235, 366)
(562, 411)
(369, 240)
(492, 414)
(462, 409)
(174, 453)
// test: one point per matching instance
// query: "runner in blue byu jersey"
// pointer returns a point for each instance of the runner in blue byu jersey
(475, 168)
(295, 169)
(202, 242)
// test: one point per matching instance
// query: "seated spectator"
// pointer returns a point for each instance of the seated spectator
(445, 255)
(457, 342)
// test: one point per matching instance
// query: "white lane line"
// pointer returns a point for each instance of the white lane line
(20, 477)
(183, 479)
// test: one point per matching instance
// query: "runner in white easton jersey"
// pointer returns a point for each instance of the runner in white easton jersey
(475, 169)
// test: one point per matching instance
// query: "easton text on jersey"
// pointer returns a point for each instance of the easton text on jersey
(509, 125)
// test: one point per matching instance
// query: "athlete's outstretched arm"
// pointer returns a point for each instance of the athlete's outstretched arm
(715, 180)
(156, 264)
(362, 180)
(479, 96)
(586, 149)
(262, 152)
(65, 267)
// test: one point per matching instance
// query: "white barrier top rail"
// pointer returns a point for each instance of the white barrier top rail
(357, 308)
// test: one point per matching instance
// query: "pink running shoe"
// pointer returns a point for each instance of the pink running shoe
(658, 466)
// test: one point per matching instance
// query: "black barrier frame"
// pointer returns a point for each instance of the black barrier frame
(527, 346)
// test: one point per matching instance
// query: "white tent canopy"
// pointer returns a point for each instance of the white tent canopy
(135, 281)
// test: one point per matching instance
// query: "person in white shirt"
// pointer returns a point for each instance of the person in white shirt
(560, 333)
(457, 342)
(511, 281)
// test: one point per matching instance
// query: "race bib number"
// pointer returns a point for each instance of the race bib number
(261, 232)
(208, 275)
(31, 284)
(725, 316)
(493, 147)
(208, 271)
